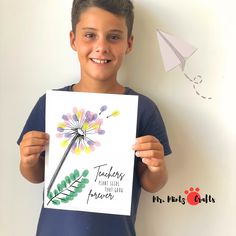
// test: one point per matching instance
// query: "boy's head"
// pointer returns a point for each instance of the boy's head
(101, 35)
(122, 8)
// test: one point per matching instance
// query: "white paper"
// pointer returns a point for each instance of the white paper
(174, 51)
(93, 133)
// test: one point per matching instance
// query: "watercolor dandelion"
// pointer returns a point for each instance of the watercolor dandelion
(78, 132)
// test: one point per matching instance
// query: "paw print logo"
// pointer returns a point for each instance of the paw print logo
(193, 197)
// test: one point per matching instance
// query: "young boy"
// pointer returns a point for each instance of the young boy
(101, 36)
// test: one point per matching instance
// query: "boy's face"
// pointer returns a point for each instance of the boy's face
(101, 42)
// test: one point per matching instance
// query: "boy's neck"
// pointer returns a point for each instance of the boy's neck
(115, 88)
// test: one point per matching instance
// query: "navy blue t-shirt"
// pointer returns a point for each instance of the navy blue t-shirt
(54, 222)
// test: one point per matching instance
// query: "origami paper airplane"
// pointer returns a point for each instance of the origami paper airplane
(174, 51)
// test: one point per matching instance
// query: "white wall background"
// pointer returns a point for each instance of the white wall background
(35, 56)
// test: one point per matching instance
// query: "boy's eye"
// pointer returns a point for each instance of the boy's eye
(114, 37)
(89, 35)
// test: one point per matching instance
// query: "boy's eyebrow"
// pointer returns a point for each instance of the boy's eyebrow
(88, 28)
(112, 30)
(116, 31)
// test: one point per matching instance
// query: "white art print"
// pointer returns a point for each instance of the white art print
(89, 163)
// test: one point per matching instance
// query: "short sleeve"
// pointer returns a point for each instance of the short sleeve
(150, 122)
(36, 119)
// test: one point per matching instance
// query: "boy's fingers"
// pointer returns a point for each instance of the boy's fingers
(34, 150)
(34, 142)
(146, 139)
(36, 134)
(34, 138)
(30, 160)
(147, 146)
(149, 154)
(152, 162)
(148, 143)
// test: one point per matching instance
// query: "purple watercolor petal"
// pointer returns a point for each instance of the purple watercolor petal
(75, 118)
(88, 116)
(100, 131)
(90, 142)
(65, 117)
(94, 117)
(103, 108)
(59, 129)
(68, 135)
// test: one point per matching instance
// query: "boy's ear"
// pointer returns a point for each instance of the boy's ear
(130, 44)
(72, 41)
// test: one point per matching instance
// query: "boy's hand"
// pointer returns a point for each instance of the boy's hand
(151, 151)
(153, 175)
(31, 146)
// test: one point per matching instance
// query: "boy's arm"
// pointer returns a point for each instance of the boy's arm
(152, 170)
(31, 164)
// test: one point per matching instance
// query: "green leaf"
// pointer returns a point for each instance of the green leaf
(64, 200)
(73, 194)
(59, 187)
(56, 202)
(84, 181)
(67, 179)
(50, 195)
(63, 184)
(55, 192)
(70, 198)
(85, 173)
(78, 189)
(76, 173)
(72, 177)
(81, 185)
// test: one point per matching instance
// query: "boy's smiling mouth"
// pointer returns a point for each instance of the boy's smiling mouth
(100, 61)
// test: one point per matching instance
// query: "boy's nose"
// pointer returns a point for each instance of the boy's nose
(102, 46)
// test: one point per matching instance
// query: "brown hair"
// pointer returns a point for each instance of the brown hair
(118, 7)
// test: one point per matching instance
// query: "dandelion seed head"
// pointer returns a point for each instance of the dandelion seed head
(82, 127)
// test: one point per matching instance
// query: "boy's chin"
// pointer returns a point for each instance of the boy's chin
(103, 77)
